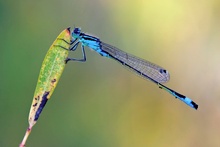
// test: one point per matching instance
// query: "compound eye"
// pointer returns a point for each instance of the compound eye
(77, 30)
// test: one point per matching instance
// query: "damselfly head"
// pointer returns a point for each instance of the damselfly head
(76, 32)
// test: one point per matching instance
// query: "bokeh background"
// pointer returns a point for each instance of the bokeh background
(99, 103)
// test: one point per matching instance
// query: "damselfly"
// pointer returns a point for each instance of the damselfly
(144, 68)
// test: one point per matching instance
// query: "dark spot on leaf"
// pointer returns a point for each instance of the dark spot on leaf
(42, 104)
(53, 81)
(35, 105)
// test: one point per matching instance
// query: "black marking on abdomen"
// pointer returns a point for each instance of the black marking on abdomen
(179, 95)
(42, 104)
(194, 105)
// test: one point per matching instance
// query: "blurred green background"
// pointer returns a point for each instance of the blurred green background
(99, 103)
